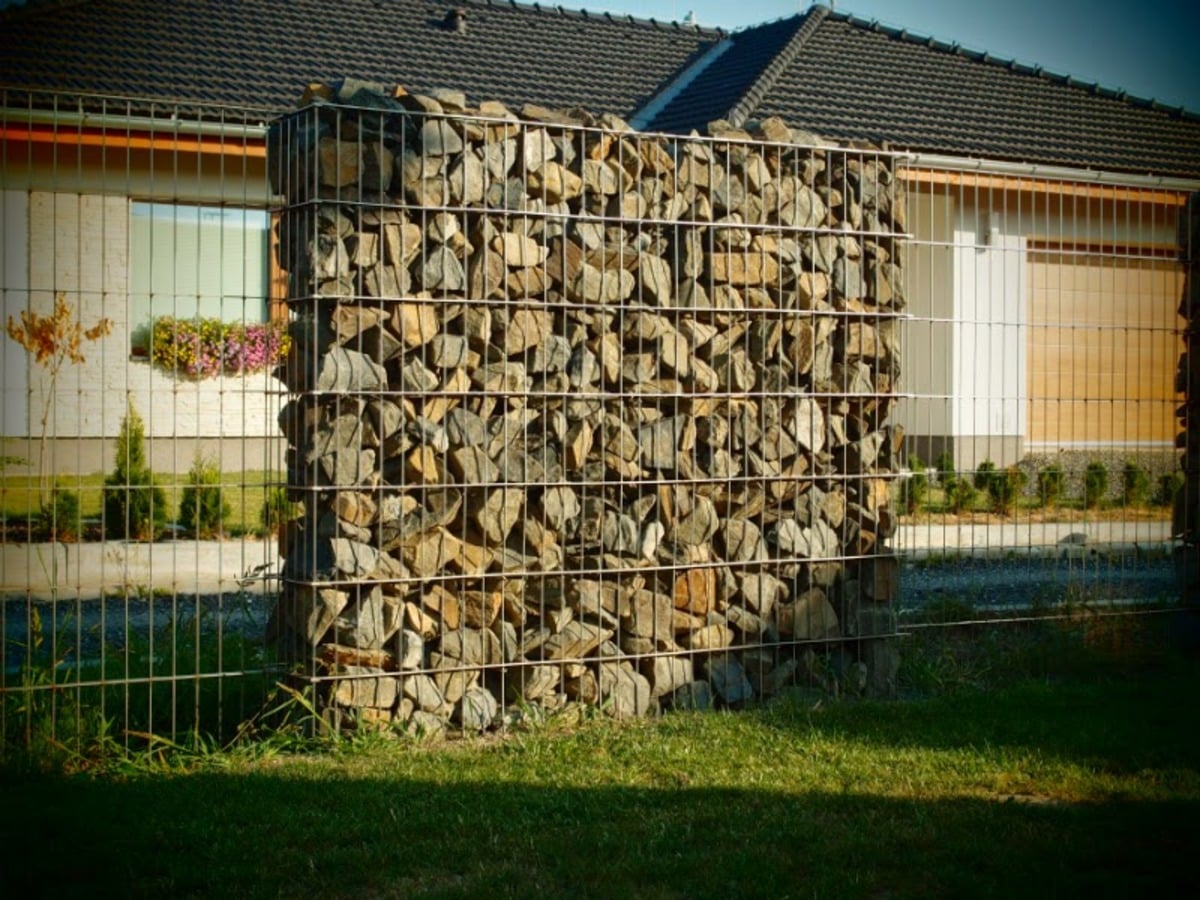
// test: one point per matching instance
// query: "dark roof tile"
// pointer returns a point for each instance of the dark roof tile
(722, 85)
(264, 53)
(841, 76)
(849, 78)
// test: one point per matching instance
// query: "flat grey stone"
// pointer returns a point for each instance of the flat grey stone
(560, 505)
(807, 424)
(440, 137)
(477, 709)
(372, 692)
(698, 526)
(743, 541)
(345, 370)
(624, 692)
(423, 691)
(696, 695)
(354, 558)
(666, 674)
(728, 679)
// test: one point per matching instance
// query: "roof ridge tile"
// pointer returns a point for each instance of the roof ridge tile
(806, 27)
(557, 9)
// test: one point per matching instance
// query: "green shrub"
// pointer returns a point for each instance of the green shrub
(1095, 484)
(1004, 488)
(135, 508)
(958, 491)
(944, 465)
(914, 491)
(1135, 483)
(1051, 483)
(1169, 485)
(960, 495)
(278, 509)
(202, 509)
(983, 475)
(60, 517)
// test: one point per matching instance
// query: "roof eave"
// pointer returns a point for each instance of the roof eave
(984, 166)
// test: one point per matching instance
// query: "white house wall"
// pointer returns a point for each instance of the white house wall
(967, 282)
(78, 244)
(14, 289)
(928, 354)
(990, 292)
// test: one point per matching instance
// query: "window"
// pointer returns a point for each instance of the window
(196, 262)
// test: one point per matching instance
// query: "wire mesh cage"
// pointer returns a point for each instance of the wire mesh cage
(583, 414)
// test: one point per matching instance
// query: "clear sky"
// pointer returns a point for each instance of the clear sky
(1149, 48)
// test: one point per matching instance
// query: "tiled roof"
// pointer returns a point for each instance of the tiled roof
(720, 86)
(263, 53)
(846, 78)
(829, 72)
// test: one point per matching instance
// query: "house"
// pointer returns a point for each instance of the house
(133, 172)
(1045, 266)
(1044, 211)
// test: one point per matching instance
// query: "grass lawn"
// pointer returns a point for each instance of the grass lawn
(1044, 788)
(245, 492)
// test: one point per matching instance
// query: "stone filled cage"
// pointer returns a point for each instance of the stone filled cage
(578, 414)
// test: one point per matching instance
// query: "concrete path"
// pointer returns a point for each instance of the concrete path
(92, 569)
(1034, 537)
(215, 567)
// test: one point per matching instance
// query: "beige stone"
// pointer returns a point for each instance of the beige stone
(748, 268)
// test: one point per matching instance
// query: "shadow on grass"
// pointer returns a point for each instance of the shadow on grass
(1115, 724)
(276, 834)
(517, 823)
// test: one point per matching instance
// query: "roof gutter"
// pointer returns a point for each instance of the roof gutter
(1046, 172)
(119, 123)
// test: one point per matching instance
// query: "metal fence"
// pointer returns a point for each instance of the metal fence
(1043, 390)
(139, 556)
(1032, 368)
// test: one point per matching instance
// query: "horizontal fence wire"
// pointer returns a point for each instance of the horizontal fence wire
(1093, 615)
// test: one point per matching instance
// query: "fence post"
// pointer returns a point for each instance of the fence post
(1187, 502)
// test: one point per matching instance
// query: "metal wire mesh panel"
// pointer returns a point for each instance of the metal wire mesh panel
(581, 414)
(1041, 359)
(141, 316)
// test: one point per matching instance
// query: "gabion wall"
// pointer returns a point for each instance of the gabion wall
(582, 414)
